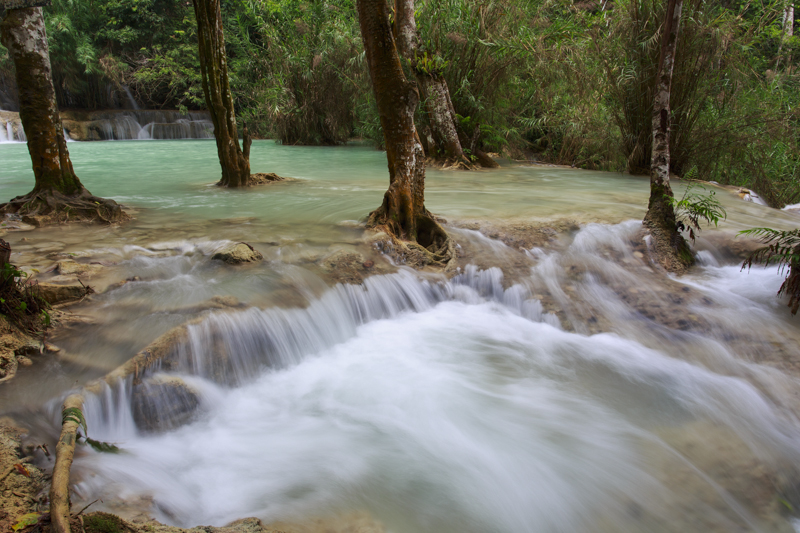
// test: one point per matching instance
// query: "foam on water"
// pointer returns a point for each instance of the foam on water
(455, 406)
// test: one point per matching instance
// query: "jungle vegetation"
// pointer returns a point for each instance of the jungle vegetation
(566, 82)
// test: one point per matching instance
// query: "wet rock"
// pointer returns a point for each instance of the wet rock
(163, 402)
(30, 348)
(59, 294)
(237, 253)
(69, 267)
(345, 266)
(8, 367)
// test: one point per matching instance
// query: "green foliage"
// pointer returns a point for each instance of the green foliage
(20, 301)
(782, 249)
(694, 207)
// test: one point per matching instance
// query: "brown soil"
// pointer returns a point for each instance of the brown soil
(20, 494)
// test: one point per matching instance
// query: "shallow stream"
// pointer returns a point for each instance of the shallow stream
(559, 382)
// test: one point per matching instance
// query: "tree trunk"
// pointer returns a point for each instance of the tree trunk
(787, 30)
(403, 211)
(432, 86)
(672, 248)
(788, 20)
(216, 87)
(57, 188)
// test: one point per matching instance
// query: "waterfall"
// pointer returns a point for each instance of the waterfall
(12, 130)
(133, 103)
(138, 124)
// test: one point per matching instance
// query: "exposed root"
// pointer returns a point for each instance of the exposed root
(480, 160)
(65, 451)
(45, 207)
(261, 178)
(433, 245)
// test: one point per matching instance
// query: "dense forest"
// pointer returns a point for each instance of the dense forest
(559, 82)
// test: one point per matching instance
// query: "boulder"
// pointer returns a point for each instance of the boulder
(163, 402)
(237, 253)
(59, 294)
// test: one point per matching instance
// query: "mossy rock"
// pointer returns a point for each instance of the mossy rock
(100, 522)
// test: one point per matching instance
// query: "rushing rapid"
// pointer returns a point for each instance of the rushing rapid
(464, 405)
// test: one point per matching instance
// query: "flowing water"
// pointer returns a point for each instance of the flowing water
(558, 382)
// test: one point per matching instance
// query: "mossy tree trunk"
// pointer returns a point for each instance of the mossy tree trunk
(57, 190)
(432, 86)
(660, 217)
(216, 87)
(403, 212)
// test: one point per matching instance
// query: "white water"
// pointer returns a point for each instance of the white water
(9, 134)
(151, 124)
(464, 406)
(134, 124)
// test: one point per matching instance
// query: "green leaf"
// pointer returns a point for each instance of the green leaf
(26, 520)
(103, 447)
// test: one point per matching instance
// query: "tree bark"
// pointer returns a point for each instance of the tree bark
(660, 216)
(57, 188)
(216, 87)
(403, 211)
(432, 86)
(787, 30)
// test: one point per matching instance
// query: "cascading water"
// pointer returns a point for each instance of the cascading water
(141, 124)
(461, 405)
(11, 128)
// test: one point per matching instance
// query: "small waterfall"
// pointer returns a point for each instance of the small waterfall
(140, 124)
(231, 349)
(11, 128)
(131, 100)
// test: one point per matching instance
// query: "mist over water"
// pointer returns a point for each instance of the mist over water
(563, 387)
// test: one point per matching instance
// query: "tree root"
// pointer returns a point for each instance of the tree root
(480, 160)
(433, 245)
(261, 178)
(65, 451)
(45, 207)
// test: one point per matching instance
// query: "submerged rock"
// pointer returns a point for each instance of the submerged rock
(163, 402)
(237, 253)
